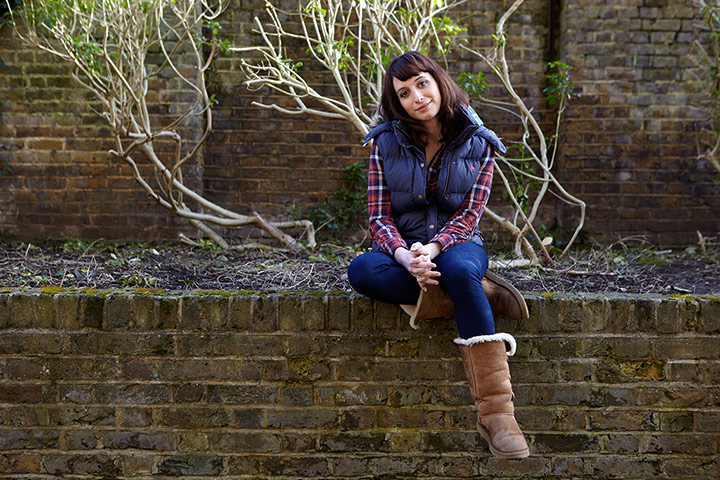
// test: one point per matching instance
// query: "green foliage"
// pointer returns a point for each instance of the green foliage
(346, 208)
(475, 84)
(707, 57)
(447, 34)
(561, 86)
(213, 28)
(521, 184)
(499, 40)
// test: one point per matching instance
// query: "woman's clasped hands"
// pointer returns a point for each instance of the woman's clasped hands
(418, 261)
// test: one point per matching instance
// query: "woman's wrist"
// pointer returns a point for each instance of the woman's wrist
(434, 249)
(402, 256)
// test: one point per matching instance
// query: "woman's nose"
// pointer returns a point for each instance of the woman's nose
(418, 97)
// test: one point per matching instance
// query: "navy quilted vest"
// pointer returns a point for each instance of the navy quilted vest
(419, 218)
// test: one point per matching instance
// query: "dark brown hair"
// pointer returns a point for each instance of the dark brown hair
(407, 66)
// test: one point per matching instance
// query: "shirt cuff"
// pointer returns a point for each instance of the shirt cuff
(393, 244)
(445, 240)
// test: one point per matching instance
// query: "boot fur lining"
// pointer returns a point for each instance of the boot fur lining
(498, 337)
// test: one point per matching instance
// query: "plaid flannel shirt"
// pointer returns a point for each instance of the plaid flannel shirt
(459, 228)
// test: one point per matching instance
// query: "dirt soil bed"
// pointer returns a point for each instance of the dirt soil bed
(177, 266)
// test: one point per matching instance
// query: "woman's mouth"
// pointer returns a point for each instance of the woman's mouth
(422, 108)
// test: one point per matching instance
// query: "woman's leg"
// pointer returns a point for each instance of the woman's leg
(378, 276)
(462, 268)
(483, 351)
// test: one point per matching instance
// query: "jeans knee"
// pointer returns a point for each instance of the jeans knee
(463, 273)
(359, 274)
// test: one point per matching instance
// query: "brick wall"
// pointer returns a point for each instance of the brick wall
(628, 144)
(63, 180)
(104, 385)
(631, 140)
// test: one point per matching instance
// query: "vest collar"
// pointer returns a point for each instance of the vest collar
(473, 126)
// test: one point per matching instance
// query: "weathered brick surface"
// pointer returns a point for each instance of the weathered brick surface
(123, 385)
(628, 144)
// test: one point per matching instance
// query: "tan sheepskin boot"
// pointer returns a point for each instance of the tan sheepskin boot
(488, 374)
(435, 303)
(505, 300)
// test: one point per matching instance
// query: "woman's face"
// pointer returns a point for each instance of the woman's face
(419, 96)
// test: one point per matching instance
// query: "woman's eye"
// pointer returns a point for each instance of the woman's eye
(403, 94)
(423, 83)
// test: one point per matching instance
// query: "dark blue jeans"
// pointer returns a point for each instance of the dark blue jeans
(462, 268)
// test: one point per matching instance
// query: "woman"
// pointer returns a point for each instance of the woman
(430, 172)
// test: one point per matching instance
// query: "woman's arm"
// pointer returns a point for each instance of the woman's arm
(463, 223)
(382, 223)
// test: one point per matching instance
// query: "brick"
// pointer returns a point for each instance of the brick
(137, 440)
(92, 311)
(67, 311)
(676, 421)
(361, 316)
(709, 316)
(21, 463)
(178, 465)
(622, 444)
(243, 394)
(545, 443)
(264, 313)
(349, 466)
(354, 442)
(119, 312)
(243, 442)
(623, 420)
(79, 368)
(668, 318)
(677, 444)
(455, 442)
(80, 464)
(708, 421)
(134, 417)
(612, 466)
(609, 371)
(304, 418)
(308, 369)
(244, 465)
(399, 465)
(296, 395)
(31, 310)
(203, 312)
(357, 419)
(75, 393)
(192, 442)
(81, 415)
(193, 417)
(209, 369)
(687, 348)
(521, 468)
(387, 316)
(354, 395)
(24, 416)
(167, 312)
(34, 439)
(338, 309)
(139, 463)
(313, 312)
(143, 312)
(240, 312)
(400, 418)
(132, 394)
(195, 345)
(5, 309)
(304, 466)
